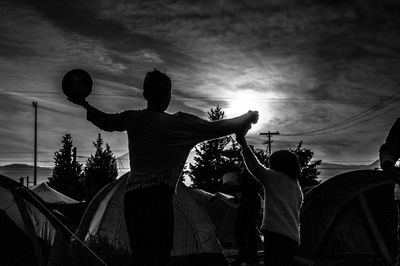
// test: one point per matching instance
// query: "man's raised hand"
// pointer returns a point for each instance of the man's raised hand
(81, 102)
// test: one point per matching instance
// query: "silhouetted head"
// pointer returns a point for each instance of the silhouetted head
(286, 162)
(157, 91)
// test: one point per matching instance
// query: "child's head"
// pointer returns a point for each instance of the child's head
(286, 162)
(157, 90)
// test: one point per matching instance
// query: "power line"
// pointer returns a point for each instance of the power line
(109, 96)
(269, 134)
(387, 102)
(359, 115)
(359, 123)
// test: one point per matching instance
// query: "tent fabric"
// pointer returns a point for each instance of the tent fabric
(194, 231)
(350, 218)
(29, 231)
(50, 195)
(68, 210)
(222, 211)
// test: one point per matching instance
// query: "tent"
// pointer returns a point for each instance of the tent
(52, 196)
(71, 209)
(222, 211)
(29, 233)
(349, 219)
(195, 238)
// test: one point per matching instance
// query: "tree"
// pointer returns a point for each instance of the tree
(67, 172)
(101, 169)
(309, 170)
(214, 158)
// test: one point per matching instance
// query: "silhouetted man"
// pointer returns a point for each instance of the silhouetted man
(159, 144)
(389, 154)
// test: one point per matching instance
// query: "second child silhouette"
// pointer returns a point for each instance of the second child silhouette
(282, 202)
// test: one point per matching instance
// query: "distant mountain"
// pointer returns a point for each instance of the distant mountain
(15, 171)
(329, 170)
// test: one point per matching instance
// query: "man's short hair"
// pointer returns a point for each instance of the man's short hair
(156, 82)
(286, 162)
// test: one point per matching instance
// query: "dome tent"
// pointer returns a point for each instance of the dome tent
(71, 209)
(350, 219)
(195, 241)
(222, 210)
(52, 196)
(29, 232)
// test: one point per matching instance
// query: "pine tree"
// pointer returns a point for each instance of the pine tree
(309, 170)
(214, 158)
(101, 169)
(67, 172)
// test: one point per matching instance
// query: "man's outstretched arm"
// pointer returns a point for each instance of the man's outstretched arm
(104, 121)
(239, 123)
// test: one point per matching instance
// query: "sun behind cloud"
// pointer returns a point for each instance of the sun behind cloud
(243, 101)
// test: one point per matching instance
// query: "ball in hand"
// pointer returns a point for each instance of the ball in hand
(77, 84)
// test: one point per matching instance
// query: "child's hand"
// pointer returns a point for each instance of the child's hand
(241, 136)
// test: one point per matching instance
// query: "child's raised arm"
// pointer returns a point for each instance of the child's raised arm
(253, 165)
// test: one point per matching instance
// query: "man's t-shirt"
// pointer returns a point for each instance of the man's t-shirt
(159, 143)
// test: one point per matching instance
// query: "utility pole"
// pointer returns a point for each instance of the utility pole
(22, 179)
(74, 156)
(35, 148)
(269, 141)
(27, 181)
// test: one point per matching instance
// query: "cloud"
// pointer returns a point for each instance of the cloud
(309, 63)
(147, 55)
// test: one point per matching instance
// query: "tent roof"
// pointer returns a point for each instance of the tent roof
(350, 214)
(50, 195)
(222, 211)
(26, 222)
(194, 231)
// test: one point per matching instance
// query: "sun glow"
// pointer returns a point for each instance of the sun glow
(241, 102)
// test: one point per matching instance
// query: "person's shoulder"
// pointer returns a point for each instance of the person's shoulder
(131, 112)
(183, 114)
(272, 176)
(274, 173)
(187, 116)
(396, 124)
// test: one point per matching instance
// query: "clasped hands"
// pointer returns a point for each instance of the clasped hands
(241, 133)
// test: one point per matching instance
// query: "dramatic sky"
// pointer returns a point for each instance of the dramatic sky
(325, 72)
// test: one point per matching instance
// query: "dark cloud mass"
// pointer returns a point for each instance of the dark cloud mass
(306, 65)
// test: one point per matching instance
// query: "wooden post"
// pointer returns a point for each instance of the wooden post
(35, 147)
(269, 141)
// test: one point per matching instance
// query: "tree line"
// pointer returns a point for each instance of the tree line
(216, 157)
(212, 160)
(80, 182)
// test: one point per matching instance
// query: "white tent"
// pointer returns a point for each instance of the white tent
(195, 235)
(350, 219)
(222, 211)
(50, 195)
(29, 232)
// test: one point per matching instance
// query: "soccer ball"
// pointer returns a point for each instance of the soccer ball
(77, 84)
